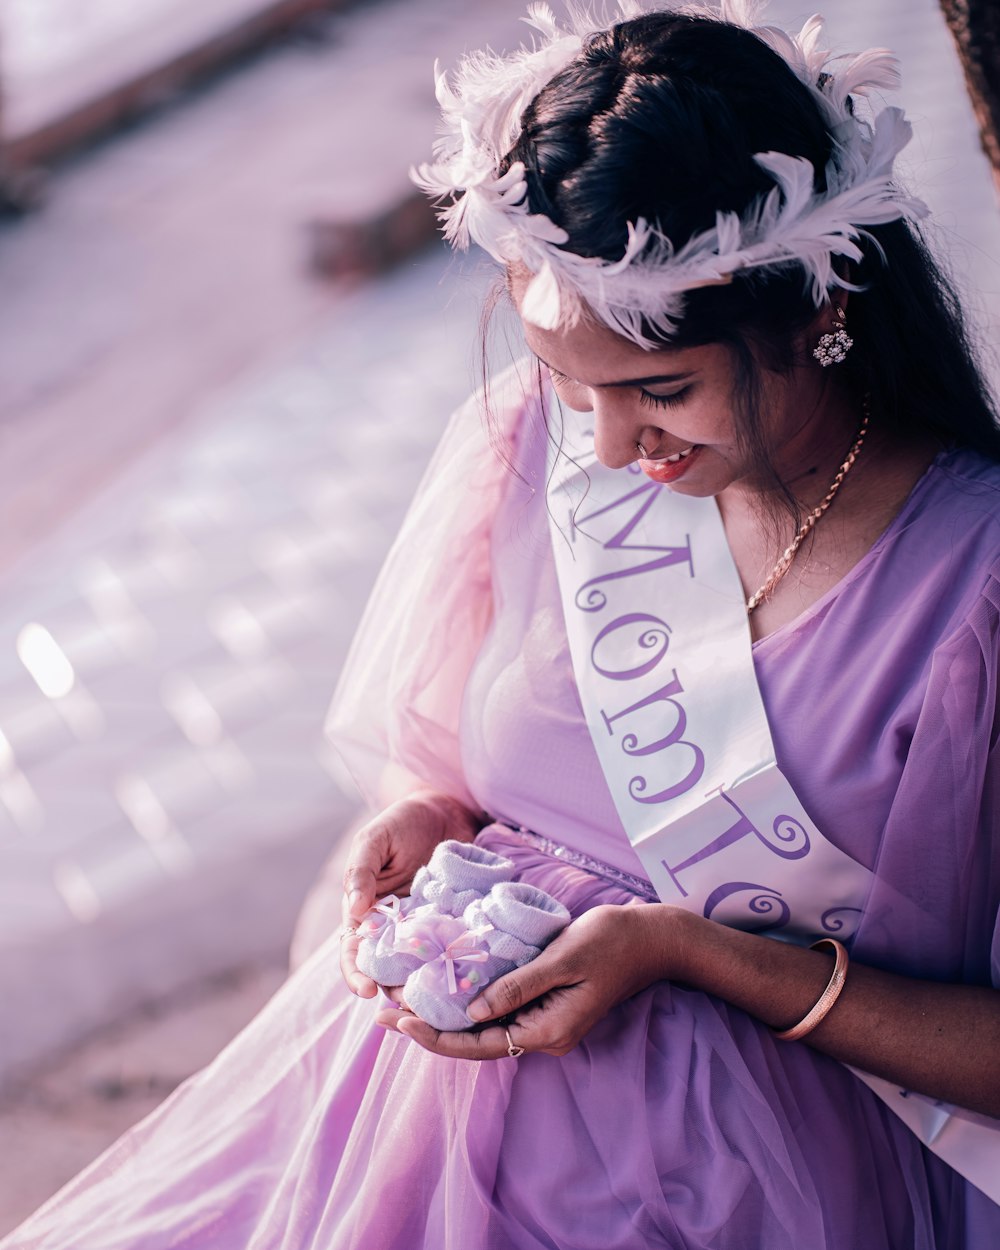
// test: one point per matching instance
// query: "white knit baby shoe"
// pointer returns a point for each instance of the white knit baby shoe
(504, 930)
(457, 874)
(377, 955)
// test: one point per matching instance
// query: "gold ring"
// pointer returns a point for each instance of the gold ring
(349, 931)
(515, 1052)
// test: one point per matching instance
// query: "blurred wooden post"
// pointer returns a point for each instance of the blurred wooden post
(975, 25)
(75, 107)
(22, 188)
(3, 133)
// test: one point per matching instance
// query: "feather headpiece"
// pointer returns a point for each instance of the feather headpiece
(792, 223)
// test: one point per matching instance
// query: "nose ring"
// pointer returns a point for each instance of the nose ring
(642, 451)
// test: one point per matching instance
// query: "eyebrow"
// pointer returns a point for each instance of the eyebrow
(650, 381)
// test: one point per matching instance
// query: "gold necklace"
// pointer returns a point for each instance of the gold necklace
(785, 563)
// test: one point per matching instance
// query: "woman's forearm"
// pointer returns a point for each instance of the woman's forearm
(939, 1040)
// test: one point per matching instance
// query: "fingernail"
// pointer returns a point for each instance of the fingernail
(478, 1010)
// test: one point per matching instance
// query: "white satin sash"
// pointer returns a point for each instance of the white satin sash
(657, 627)
(658, 634)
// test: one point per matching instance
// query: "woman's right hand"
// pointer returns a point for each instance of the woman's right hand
(384, 856)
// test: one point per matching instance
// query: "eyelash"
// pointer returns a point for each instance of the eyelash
(662, 401)
(645, 398)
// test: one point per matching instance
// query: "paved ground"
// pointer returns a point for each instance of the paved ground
(78, 1106)
(164, 805)
(200, 612)
(162, 332)
(205, 450)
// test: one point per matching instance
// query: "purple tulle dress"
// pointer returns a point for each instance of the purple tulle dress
(679, 1121)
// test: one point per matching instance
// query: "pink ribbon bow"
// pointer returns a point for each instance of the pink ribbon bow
(468, 948)
(384, 911)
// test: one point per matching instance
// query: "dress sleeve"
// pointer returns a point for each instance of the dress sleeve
(970, 696)
(941, 847)
(986, 627)
(395, 713)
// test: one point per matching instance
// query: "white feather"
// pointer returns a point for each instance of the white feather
(794, 175)
(890, 134)
(813, 56)
(740, 12)
(541, 17)
(641, 294)
(541, 305)
(877, 69)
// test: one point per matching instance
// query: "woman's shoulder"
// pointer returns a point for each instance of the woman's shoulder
(939, 561)
(955, 521)
(955, 507)
(925, 577)
(968, 474)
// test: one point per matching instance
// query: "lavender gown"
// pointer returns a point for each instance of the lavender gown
(679, 1121)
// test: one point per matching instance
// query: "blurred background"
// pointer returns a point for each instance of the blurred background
(228, 343)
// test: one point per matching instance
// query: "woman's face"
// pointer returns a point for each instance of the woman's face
(683, 402)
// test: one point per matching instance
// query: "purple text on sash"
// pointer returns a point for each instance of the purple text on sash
(787, 838)
(765, 909)
(631, 745)
(589, 597)
(763, 902)
(654, 637)
(764, 906)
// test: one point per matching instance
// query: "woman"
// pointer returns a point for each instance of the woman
(574, 666)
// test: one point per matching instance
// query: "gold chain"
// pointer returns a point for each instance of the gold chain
(785, 563)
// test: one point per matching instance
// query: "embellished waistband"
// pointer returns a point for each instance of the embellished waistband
(596, 867)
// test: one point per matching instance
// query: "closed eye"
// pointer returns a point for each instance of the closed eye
(663, 401)
(645, 397)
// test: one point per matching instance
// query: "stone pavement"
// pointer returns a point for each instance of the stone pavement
(164, 794)
(205, 452)
(163, 816)
(165, 665)
(50, 1127)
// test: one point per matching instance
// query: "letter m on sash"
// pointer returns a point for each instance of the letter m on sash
(634, 505)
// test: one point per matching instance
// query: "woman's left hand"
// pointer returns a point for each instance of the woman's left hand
(599, 960)
(937, 1038)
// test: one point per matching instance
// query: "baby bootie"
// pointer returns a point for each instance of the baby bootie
(504, 930)
(457, 874)
(386, 913)
(401, 947)
(377, 931)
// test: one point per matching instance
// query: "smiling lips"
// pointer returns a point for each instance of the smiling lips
(670, 468)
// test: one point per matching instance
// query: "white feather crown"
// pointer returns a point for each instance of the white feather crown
(645, 287)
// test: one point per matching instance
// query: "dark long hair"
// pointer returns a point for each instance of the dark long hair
(660, 117)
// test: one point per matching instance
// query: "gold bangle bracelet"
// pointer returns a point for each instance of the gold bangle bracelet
(826, 1000)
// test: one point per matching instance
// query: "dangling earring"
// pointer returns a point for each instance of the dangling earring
(833, 347)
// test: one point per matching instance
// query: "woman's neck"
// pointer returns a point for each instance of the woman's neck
(760, 526)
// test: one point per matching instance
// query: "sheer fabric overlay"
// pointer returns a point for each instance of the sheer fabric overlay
(678, 1122)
